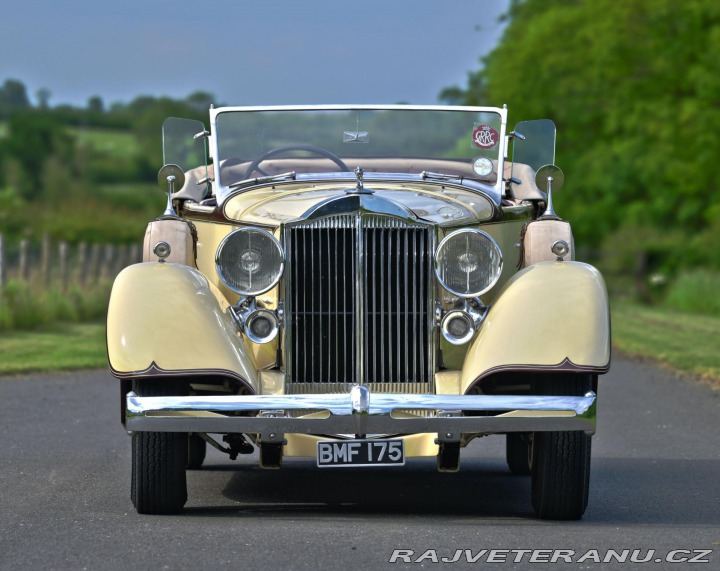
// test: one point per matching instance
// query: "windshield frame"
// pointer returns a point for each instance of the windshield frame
(223, 191)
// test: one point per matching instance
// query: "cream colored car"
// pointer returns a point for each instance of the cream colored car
(359, 285)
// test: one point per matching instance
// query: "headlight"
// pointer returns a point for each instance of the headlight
(249, 261)
(468, 262)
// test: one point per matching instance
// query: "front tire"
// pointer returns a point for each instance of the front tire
(197, 449)
(561, 460)
(517, 453)
(158, 460)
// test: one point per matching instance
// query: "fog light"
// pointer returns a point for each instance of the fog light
(457, 327)
(162, 250)
(261, 326)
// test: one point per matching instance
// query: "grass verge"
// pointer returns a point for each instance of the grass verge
(53, 347)
(682, 341)
(685, 342)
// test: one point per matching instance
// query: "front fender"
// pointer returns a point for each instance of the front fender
(551, 316)
(164, 319)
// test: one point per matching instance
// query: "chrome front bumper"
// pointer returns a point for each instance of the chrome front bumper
(361, 413)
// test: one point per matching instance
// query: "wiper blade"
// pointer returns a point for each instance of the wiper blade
(440, 176)
(263, 179)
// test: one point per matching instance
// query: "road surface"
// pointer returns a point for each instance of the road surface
(65, 504)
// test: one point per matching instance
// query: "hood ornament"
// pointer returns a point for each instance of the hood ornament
(360, 186)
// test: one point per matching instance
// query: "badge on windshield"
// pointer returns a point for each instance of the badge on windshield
(484, 136)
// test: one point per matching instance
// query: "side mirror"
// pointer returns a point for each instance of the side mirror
(170, 178)
(547, 179)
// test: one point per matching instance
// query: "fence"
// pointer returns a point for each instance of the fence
(59, 264)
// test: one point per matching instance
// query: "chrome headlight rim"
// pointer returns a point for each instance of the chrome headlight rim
(453, 235)
(276, 243)
(264, 314)
(445, 327)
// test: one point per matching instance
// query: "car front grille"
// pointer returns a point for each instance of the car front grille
(358, 302)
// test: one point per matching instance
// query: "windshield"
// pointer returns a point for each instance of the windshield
(255, 142)
(181, 146)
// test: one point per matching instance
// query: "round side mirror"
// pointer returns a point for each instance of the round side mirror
(549, 177)
(171, 171)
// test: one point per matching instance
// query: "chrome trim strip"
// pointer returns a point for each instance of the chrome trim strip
(511, 414)
(321, 107)
(360, 317)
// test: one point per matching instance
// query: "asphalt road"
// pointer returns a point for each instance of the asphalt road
(65, 479)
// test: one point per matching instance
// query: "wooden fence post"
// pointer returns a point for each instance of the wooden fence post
(135, 257)
(120, 260)
(25, 259)
(83, 263)
(105, 272)
(45, 260)
(63, 252)
(94, 262)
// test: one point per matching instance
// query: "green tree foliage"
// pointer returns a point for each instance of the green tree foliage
(83, 174)
(633, 88)
(95, 104)
(32, 139)
(43, 97)
(148, 116)
(13, 97)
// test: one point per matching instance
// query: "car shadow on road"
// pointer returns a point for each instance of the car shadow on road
(623, 491)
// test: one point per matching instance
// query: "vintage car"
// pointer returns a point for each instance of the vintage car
(359, 285)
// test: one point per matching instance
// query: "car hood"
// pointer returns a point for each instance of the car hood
(443, 204)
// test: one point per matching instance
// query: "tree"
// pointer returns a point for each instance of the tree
(95, 104)
(43, 96)
(33, 138)
(200, 101)
(633, 88)
(13, 97)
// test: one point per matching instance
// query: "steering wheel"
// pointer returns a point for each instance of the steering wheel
(255, 165)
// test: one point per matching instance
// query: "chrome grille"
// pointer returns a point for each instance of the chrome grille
(376, 329)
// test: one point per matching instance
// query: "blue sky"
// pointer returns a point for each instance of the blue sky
(247, 52)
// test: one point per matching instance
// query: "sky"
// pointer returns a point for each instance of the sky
(247, 52)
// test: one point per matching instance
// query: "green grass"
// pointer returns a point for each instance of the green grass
(696, 291)
(682, 341)
(120, 144)
(144, 197)
(54, 347)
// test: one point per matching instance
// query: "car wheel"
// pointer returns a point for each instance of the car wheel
(158, 460)
(196, 451)
(561, 460)
(517, 453)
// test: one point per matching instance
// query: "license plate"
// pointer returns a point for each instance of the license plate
(372, 452)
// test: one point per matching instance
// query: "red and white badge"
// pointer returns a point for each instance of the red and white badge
(485, 137)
